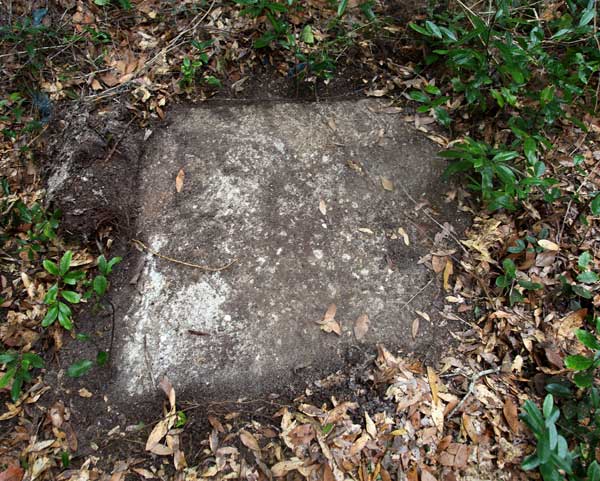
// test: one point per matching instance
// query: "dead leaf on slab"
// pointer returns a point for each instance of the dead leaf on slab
(329, 324)
(404, 235)
(322, 207)
(179, 180)
(83, 392)
(415, 327)
(387, 184)
(361, 326)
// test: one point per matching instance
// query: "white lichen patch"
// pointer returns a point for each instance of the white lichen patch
(167, 321)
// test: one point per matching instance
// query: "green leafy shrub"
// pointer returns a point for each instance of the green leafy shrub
(566, 444)
(525, 72)
(58, 296)
(18, 370)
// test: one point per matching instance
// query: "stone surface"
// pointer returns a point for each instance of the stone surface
(309, 199)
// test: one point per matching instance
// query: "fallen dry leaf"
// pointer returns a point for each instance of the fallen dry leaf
(249, 441)
(322, 207)
(159, 432)
(179, 180)
(448, 271)
(329, 324)
(404, 235)
(370, 426)
(361, 326)
(548, 245)
(415, 327)
(427, 476)
(83, 392)
(12, 473)
(387, 184)
(511, 415)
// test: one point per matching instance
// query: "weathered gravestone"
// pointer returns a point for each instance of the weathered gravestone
(318, 204)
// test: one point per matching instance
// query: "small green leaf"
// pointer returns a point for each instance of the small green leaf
(433, 28)
(342, 7)
(213, 82)
(65, 263)
(548, 405)
(327, 429)
(8, 356)
(530, 286)
(8, 375)
(100, 283)
(530, 150)
(51, 316)
(15, 390)
(530, 462)
(80, 368)
(584, 260)
(582, 291)
(114, 261)
(510, 269)
(51, 267)
(588, 277)
(593, 472)
(584, 379)
(64, 319)
(102, 358)
(595, 205)
(547, 94)
(103, 265)
(307, 35)
(578, 362)
(50, 297)
(419, 96)
(587, 339)
(588, 15)
(442, 116)
(65, 459)
(71, 296)
(181, 419)
(33, 359)
(419, 29)
(433, 90)
(72, 277)
(505, 156)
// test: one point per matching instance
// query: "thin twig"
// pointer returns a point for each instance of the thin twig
(148, 362)
(407, 303)
(474, 380)
(117, 142)
(112, 332)
(432, 219)
(183, 263)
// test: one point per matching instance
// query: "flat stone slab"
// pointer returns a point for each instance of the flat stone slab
(312, 202)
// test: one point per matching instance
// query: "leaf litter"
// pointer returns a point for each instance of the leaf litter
(456, 420)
